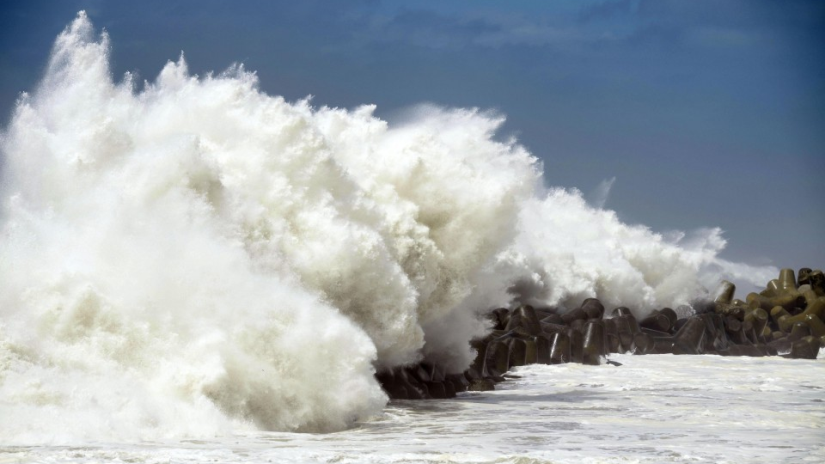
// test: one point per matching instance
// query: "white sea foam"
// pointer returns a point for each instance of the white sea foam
(652, 409)
(192, 256)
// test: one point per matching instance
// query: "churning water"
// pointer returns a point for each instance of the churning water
(191, 257)
(652, 409)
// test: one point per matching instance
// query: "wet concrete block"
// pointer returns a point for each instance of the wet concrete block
(543, 349)
(621, 311)
(806, 348)
(724, 292)
(758, 319)
(528, 318)
(690, 338)
(497, 358)
(415, 389)
(656, 321)
(642, 343)
(799, 331)
(518, 352)
(804, 275)
(755, 300)
(593, 308)
(482, 385)
(394, 389)
(531, 353)
(816, 280)
(555, 319)
(670, 314)
(573, 315)
(576, 346)
(816, 325)
(459, 381)
(437, 390)
(781, 345)
(560, 348)
(787, 280)
(449, 389)
(623, 332)
(593, 343)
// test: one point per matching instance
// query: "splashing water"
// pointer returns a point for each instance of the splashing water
(198, 257)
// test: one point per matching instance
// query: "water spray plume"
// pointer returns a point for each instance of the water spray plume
(197, 256)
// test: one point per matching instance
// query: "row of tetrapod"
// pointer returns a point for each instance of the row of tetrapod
(785, 319)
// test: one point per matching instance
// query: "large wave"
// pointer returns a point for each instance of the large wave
(192, 256)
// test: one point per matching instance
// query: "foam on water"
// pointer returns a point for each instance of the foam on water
(192, 257)
(652, 409)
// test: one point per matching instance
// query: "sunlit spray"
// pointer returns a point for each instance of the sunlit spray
(191, 256)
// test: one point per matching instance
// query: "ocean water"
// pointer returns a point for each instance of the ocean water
(651, 409)
(193, 269)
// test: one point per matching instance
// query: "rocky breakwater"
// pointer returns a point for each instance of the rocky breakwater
(785, 319)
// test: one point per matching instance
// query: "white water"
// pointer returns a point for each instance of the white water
(652, 409)
(191, 257)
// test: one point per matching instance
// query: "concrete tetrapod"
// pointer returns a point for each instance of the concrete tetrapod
(593, 343)
(689, 339)
(625, 331)
(593, 308)
(560, 348)
(725, 292)
(656, 321)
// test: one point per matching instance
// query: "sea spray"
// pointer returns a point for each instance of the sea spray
(137, 300)
(191, 256)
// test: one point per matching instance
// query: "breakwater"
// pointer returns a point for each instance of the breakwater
(785, 319)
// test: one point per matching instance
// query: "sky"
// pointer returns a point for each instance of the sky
(697, 113)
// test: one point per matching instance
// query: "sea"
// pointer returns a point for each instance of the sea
(649, 409)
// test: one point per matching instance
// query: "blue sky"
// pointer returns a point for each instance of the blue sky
(707, 113)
